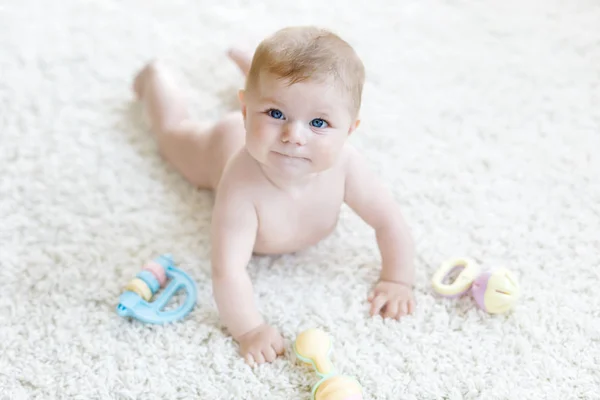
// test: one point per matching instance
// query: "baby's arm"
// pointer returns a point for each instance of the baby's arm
(233, 232)
(375, 204)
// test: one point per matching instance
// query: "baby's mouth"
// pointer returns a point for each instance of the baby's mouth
(291, 156)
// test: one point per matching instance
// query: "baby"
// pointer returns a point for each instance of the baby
(281, 170)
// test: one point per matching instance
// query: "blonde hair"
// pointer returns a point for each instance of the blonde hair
(303, 53)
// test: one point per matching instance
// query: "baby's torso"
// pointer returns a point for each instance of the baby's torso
(289, 223)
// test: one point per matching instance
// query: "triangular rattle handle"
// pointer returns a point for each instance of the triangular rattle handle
(313, 347)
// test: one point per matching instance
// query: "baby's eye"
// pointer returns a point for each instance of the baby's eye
(273, 113)
(318, 123)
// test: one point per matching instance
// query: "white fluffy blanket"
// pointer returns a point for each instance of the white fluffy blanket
(483, 116)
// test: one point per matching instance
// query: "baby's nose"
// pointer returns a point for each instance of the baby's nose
(295, 133)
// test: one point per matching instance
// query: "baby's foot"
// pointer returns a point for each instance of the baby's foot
(139, 83)
(241, 58)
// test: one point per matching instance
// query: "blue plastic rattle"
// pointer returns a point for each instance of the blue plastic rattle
(135, 301)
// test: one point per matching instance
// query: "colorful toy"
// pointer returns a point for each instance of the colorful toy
(135, 301)
(495, 292)
(314, 347)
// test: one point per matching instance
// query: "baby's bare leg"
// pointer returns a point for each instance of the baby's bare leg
(198, 151)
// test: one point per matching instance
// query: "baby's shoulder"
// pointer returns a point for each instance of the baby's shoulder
(349, 156)
(240, 175)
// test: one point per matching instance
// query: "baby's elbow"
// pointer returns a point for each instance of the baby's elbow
(226, 271)
(385, 217)
(391, 221)
(220, 272)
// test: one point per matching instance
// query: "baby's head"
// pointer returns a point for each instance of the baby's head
(302, 99)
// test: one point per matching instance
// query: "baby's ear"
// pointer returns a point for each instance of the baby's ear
(241, 94)
(354, 126)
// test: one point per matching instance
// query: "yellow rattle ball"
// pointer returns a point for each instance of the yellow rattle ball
(339, 387)
(496, 292)
(313, 347)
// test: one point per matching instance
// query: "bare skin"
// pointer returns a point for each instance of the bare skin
(280, 169)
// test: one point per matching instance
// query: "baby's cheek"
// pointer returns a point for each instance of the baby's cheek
(330, 149)
(326, 157)
(260, 132)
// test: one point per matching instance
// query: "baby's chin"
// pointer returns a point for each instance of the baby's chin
(285, 166)
(288, 165)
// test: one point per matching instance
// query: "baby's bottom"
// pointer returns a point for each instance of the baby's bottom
(199, 151)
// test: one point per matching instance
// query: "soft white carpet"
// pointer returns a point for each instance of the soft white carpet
(485, 119)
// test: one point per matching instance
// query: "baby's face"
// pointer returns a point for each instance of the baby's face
(299, 129)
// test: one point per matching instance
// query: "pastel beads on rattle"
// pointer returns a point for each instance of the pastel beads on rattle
(314, 347)
(495, 292)
(157, 274)
(158, 271)
(141, 287)
(148, 281)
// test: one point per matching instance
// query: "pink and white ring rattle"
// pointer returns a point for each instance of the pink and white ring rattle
(495, 292)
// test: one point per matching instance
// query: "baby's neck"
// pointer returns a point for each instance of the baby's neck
(292, 185)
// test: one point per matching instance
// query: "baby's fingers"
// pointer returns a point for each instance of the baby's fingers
(278, 344)
(269, 354)
(376, 292)
(259, 358)
(377, 303)
(391, 309)
(411, 306)
(249, 359)
(403, 309)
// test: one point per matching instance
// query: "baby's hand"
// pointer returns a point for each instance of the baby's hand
(392, 300)
(261, 344)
